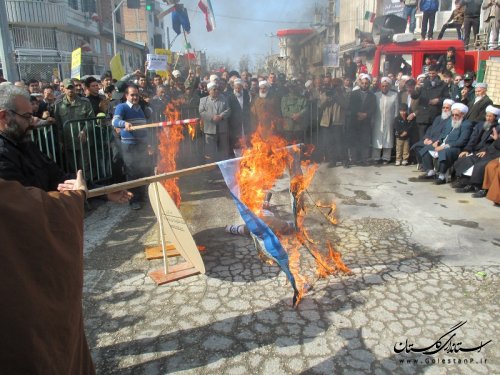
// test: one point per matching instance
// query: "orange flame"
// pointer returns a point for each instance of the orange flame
(260, 167)
(192, 130)
(170, 138)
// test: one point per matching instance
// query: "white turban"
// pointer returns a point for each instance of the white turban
(386, 80)
(461, 107)
(214, 77)
(482, 85)
(211, 85)
(493, 110)
(448, 101)
(365, 76)
(308, 84)
(263, 84)
(238, 81)
(421, 76)
(176, 73)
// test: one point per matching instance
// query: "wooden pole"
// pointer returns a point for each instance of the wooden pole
(166, 123)
(164, 176)
(149, 180)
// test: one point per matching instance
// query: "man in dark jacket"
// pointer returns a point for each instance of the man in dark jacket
(20, 158)
(239, 120)
(434, 132)
(430, 99)
(472, 16)
(477, 153)
(447, 149)
(481, 102)
(362, 106)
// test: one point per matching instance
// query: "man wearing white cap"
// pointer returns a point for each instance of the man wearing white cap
(239, 120)
(447, 149)
(472, 161)
(266, 111)
(383, 130)
(215, 111)
(481, 101)
(434, 132)
(363, 106)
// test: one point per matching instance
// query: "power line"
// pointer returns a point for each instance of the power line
(255, 19)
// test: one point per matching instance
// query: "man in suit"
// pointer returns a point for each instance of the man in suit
(239, 120)
(434, 131)
(477, 153)
(430, 99)
(447, 149)
(215, 111)
(362, 106)
(478, 109)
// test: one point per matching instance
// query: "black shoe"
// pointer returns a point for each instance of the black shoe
(458, 184)
(425, 176)
(440, 181)
(466, 189)
(480, 194)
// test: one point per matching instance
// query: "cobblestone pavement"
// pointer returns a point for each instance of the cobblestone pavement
(238, 319)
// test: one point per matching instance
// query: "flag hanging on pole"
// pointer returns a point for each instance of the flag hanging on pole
(206, 8)
(180, 18)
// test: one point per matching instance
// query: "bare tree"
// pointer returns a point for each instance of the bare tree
(245, 62)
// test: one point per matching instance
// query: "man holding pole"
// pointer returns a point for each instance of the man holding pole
(136, 151)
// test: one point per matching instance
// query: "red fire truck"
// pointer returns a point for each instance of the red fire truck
(410, 56)
(394, 51)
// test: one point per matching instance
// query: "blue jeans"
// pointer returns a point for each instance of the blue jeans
(410, 10)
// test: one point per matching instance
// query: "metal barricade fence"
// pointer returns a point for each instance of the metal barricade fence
(45, 137)
(87, 146)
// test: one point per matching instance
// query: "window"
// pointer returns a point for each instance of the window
(161, 24)
(97, 45)
(156, 22)
(109, 48)
(73, 4)
(396, 63)
(118, 16)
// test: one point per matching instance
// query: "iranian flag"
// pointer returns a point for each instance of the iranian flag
(206, 8)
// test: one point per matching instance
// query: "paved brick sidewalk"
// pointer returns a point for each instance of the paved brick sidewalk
(238, 319)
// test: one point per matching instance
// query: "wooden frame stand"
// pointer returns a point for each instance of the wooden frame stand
(177, 272)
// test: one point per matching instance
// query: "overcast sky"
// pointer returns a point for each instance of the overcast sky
(242, 25)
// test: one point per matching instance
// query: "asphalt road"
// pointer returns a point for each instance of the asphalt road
(423, 259)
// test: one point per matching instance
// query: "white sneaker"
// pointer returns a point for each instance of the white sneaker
(398, 162)
(405, 162)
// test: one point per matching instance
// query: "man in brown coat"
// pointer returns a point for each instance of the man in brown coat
(41, 270)
(266, 111)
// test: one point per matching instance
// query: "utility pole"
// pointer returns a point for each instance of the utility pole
(6, 53)
(113, 17)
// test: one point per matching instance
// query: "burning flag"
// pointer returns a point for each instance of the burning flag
(264, 237)
(206, 8)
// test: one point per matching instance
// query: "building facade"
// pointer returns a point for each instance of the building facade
(45, 32)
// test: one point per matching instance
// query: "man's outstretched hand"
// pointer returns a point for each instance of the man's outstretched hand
(122, 196)
(77, 184)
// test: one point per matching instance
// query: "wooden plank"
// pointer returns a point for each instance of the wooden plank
(177, 272)
(156, 252)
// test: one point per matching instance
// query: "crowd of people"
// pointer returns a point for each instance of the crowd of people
(441, 121)
(465, 17)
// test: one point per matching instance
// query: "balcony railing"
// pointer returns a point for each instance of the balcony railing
(36, 12)
(50, 13)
